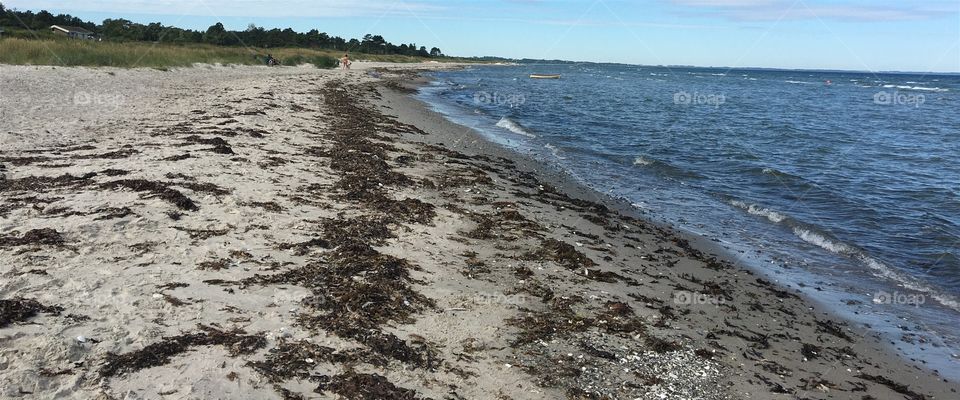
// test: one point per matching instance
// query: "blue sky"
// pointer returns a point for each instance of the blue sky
(875, 35)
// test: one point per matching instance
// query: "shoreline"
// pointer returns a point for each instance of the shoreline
(910, 348)
(475, 143)
(300, 233)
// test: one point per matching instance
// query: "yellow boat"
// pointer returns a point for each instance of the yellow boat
(545, 76)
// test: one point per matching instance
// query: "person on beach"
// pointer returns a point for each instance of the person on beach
(272, 61)
(345, 62)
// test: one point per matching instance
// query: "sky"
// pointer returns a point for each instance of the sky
(864, 35)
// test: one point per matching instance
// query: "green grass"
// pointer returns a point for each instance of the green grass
(18, 50)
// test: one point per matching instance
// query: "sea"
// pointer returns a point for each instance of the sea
(843, 185)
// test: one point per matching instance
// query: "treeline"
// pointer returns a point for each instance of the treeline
(253, 36)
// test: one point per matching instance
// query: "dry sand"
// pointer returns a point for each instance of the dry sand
(254, 232)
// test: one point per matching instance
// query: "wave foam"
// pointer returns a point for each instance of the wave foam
(917, 88)
(821, 241)
(642, 161)
(513, 126)
(879, 268)
(767, 213)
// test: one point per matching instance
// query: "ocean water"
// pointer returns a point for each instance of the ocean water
(844, 185)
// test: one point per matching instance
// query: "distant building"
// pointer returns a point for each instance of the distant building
(72, 31)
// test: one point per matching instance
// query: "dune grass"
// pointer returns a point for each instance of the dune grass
(68, 52)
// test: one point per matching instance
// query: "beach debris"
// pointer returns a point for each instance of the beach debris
(113, 155)
(236, 341)
(303, 248)
(215, 265)
(271, 206)
(295, 359)
(563, 254)
(220, 146)
(200, 234)
(896, 387)
(20, 309)
(179, 157)
(154, 189)
(358, 386)
(38, 237)
(45, 183)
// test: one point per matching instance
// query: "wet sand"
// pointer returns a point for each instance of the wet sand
(254, 232)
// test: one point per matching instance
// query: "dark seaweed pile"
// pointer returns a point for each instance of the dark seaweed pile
(20, 309)
(236, 341)
(44, 236)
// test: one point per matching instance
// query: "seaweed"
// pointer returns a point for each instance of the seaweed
(200, 234)
(208, 188)
(896, 387)
(834, 329)
(155, 189)
(355, 289)
(295, 359)
(215, 265)
(22, 161)
(271, 206)
(179, 157)
(20, 309)
(503, 225)
(113, 155)
(810, 351)
(45, 183)
(44, 236)
(368, 229)
(236, 341)
(220, 146)
(562, 253)
(112, 213)
(357, 386)
(114, 172)
(303, 248)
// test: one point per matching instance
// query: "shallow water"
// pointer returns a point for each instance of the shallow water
(845, 185)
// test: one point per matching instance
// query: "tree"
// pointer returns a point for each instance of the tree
(216, 34)
(435, 52)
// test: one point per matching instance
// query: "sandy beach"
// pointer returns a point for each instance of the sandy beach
(292, 233)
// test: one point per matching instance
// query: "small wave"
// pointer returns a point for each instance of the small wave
(879, 268)
(642, 161)
(753, 209)
(513, 126)
(553, 150)
(823, 242)
(917, 88)
(801, 83)
(665, 168)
